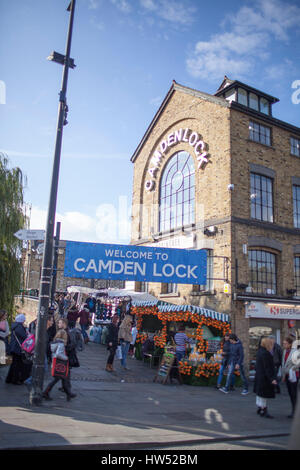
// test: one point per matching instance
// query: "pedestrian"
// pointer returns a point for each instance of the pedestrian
(32, 326)
(76, 336)
(19, 370)
(225, 362)
(67, 304)
(70, 347)
(265, 376)
(58, 350)
(72, 316)
(112, 342)
(61, 305)
(181, 340)
(71, 343)
(277, 358)
(236, 363)
(84, 316)
(51, 332)
(289, 374)
(125, 338)
(4, 333)
(91, 303)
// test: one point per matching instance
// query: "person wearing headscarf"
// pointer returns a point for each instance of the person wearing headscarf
(18, 371)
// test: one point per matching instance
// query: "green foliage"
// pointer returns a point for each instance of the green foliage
(11, 220)
(207, 381)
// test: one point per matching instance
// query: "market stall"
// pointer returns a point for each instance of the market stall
(159, 321)
(104, 304)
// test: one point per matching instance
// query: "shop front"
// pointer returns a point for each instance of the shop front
(270, 318)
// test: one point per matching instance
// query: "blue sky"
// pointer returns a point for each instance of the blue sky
(127, 53)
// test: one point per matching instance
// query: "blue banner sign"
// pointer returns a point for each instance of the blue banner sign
(135, 263)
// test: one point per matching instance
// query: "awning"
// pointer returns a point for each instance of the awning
(137, 297)
(83, 290)
(112, 292)
(167, 307)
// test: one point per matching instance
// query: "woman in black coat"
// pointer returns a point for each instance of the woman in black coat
(265, 376)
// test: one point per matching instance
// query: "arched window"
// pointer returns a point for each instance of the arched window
(177, 193)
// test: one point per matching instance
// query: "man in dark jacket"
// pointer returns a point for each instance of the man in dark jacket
(225, 361)
(112, 342)
(72, 316)
(84, 316)
(236, 362)
(277, 358)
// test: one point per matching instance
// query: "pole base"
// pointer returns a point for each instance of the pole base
(36, 397)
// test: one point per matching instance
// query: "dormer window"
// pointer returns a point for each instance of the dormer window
(235, 91)
(253, 101)
(230, 95)
(242, 97)
(264, 106)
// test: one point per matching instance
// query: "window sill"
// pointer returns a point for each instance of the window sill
(262, 221)
(171, 294)
(199, 294)
(175, 231)
(261, 143)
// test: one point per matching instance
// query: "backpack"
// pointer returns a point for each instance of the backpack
(28, 344)
(76, 339)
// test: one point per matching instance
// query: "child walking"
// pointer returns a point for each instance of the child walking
(58, 351)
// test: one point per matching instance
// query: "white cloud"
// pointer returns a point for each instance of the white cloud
(122, 5)
(246, 44)
(93, 4)
(74, 225)
(109, 224)
(170, 10)
(272, 16)
(97, 24)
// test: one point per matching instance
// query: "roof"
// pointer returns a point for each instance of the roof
(216, 98)
(176, 87)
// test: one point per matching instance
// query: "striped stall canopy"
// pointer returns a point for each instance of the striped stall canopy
(166, 307)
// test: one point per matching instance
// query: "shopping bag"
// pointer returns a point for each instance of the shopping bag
(119, 352)
(60, 368)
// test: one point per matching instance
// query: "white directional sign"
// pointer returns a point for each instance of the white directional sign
(24, 234)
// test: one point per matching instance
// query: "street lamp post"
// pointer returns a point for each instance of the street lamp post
(44, 293)
(55, 260)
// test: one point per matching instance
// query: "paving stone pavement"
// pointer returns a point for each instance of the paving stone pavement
(127, 410)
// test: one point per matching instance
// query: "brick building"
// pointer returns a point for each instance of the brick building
(219, 172)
